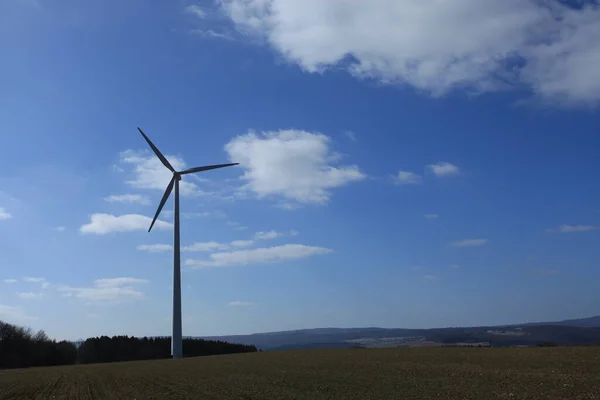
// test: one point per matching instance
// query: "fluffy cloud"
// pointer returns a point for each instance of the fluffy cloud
(155, 248)
(149, 173)
(258, 256)
(236, 226)
(205, 246)
(438, 46)
(209, 33)
(443, 169)
(241, 304)
(196, 11)
(273, 235)
(214, 246)
(204, 214)
(110, 290)
(242, 243)
(114, 282)
(101, 224)
(407, 178)
(34, 279)
(4, 214)
(9, 313)
(29, 295)
(350, 135)
(573, 228)
(129, 199)
(295, 164)
(469, 243)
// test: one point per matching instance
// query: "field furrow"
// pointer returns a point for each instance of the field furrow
(361, 374)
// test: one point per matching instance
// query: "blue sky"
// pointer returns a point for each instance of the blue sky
(402, 163)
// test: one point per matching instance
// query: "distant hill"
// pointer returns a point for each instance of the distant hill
(582, 331)
(591, 322)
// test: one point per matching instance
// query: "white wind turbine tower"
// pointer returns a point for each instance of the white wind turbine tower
(176, 338)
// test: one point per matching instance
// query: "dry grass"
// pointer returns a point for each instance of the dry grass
(426, 373)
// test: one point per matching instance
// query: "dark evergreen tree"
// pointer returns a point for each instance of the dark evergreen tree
(21, 348)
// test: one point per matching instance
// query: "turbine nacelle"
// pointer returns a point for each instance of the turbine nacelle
(176, 174)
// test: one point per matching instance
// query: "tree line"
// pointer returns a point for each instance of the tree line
(21, 348)
(130, 348)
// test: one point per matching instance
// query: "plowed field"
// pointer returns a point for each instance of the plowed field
(361, 374)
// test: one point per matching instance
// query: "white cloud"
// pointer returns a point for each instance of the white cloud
(196, 11)
(236, 226)
(469, 243)
(241, 303)
(295, 164)
(204, 214)
(114, 282)
(209, 33)
(33, 279)
(29, 295)
(431, 216)
(110, 290)
(155, 248)
(242, 243)
(129, 199)
(573, 228)
(257, 256)
(407, 178)
(215, 246)
(288, 206)
(167, 214)
(10, 281)
(149, 173)
(444, 169)
(350, 135)
(101, 224)
(205, 246)
(4, 214)
(273, 235)
(9, 313)
(437, 46)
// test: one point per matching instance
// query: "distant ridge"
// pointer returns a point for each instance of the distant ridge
(568, 332)
(590, 322)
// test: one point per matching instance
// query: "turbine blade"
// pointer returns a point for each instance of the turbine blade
(163, 201)
(157, 152)
(206, 168)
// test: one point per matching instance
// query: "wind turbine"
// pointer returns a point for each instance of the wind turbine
(176, 338)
